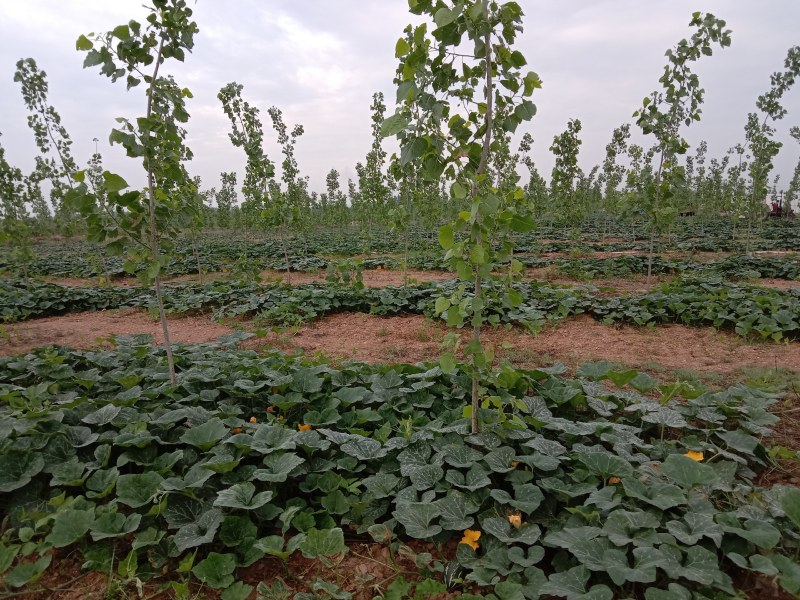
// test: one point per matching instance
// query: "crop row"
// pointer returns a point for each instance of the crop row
(748, 310)
(74, 258)
(574, 486)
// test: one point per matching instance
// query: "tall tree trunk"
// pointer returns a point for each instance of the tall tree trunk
(476, 325)
(154, 247)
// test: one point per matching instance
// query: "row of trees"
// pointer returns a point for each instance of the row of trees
(628, 184)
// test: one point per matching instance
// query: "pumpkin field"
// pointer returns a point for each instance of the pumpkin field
(451, 377)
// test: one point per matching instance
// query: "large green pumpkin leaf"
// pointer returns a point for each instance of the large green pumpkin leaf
(7, 556)
(28, 572)
(426, 477)
(695, 526)
(417, 519)
(182, 510)
(17, 468)
(660, 495)
(501, 529)
(323, 542)
(101, 483)
(200, 532)
(113, 525)
(242, 496)
(364, 448)
(571, 584)
(687, 472)
(70, 526)
(206, 435)
(605, 464)
(278, 467)
(139, 489)
(456, 510)
(103, 415)
(216, 570)
(381, 485)
(790, 503)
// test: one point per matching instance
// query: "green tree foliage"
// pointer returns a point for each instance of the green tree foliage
(226, 198)
(536, 192)
(565, 175)
(759, 135)
(793, 191)
(55, 164)
(14, 229)
(373, 191)
(144, 224)
(459, 87)
(664, 111)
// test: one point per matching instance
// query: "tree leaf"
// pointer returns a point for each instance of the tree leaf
(83, 43)
(393, 125)
(444, 16)
(446, 237)
(113, 182)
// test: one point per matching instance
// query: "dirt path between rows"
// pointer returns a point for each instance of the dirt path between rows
(415, 338)
(93, 329)
(572, 341)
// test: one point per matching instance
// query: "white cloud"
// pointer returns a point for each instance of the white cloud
(320, 62)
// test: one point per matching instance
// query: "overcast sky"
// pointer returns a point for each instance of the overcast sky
(320, 61)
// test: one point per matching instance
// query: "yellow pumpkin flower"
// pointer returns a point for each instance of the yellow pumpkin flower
(253, 420)
(698, 456)
(471, 538)
(514, 464)
(303, 427)
(614, 480)
(515, 520)
(236, 430)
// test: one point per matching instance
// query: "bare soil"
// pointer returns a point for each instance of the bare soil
(363, 571)
(373, 278)
(777, 284)
(94, 329)
(572, 341)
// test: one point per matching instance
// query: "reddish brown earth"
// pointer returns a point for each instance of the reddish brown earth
(93, 329)
(778, 284)
(371, 277)
(572, 341)
(364, 570)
